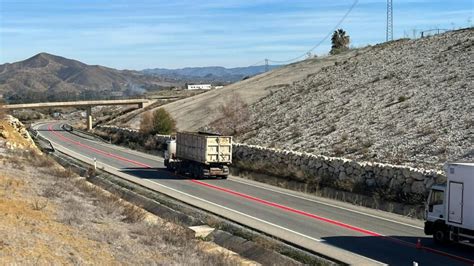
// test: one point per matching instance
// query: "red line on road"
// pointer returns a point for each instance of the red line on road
(50, 128)
(279, 206)
(272, 204)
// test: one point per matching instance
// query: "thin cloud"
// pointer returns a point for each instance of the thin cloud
(156, 33)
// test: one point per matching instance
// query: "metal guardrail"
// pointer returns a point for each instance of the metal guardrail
(41, 141)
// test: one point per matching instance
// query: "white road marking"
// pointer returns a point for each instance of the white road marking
(327, 204)
(237, 212)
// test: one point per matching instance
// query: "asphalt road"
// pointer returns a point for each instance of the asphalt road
(352, 234)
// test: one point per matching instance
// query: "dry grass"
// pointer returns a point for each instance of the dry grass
(33, 236)
(133, 214)
(39, 204)
(63, 173)
(2, 110)
(52, 216)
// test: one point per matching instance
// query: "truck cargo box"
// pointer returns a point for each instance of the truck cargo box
(460, 189)
(204, 148)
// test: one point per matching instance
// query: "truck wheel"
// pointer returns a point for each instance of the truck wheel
(440, 235)
(194, 172)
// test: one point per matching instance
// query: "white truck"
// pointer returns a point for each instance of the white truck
(450, 207)
(199, 154)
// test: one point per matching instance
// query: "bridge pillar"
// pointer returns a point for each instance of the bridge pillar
(89, 117)
(141, 105)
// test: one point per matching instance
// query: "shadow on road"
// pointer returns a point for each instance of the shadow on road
(152, 173)
(402, 250)
(45, 129)
(158, 174)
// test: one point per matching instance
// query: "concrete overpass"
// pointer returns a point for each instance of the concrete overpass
(86, 104)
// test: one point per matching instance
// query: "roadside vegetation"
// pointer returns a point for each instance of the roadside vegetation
(234, 116)
(157, 122)
(2, 110)
(339, 42)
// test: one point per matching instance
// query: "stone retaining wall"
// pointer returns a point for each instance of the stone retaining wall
(131, 137)
(388, 182)
(385, 181)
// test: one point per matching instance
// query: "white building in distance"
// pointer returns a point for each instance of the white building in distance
(199, 87)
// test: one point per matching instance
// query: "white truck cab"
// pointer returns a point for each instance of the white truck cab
(436, 206)
(450, 207)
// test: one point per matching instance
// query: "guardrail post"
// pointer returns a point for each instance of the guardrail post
(95, 163)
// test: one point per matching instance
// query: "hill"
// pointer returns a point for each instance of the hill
(200, 110)
(47, 77)
(403, 102)
(213, 74)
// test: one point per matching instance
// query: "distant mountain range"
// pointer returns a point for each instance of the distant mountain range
(47, 77)
(211, 74)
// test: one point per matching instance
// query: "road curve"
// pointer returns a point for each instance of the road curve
(351, 234)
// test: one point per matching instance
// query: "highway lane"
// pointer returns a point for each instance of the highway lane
(390, 241)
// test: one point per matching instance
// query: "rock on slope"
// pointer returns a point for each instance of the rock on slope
(13, 134)
(404, 102)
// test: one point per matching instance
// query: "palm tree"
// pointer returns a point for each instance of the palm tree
(340, 41)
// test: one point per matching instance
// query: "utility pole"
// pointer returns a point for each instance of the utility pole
(266, 65)
(389, 31)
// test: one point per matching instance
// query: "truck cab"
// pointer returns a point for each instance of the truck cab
(450, 207)
(435, 210)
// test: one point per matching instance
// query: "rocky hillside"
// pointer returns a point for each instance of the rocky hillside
(46, 77)
(403, 102)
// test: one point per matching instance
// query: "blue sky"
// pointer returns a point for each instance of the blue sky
(138, 34)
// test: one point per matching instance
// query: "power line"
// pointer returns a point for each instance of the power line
(322, 40)
(257, 63)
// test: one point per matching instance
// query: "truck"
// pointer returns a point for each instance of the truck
(199, 154)
(450, 207)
